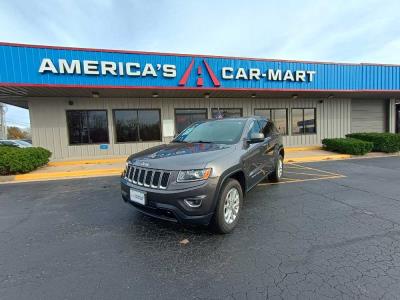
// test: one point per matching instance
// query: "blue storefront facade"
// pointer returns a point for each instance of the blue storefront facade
(95, 102)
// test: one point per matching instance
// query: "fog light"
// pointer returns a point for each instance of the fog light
(195, 201)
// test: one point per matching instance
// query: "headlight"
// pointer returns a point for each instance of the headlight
(193, 175)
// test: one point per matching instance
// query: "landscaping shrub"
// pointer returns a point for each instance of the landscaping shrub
(347, 146)
(383, 142)
(22, 160)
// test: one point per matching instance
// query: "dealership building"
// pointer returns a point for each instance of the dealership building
(87, 103)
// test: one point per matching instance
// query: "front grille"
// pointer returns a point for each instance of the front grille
(156, 179)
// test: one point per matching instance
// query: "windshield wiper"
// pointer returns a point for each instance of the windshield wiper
(177, 141)
(201, 142)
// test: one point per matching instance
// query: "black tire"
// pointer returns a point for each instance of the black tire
(219, 224)
(276, 176)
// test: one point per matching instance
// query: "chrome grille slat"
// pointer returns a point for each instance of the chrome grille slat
(135, 175)
(130, 174)
(164, 180)
(149, 173)
(153, 178)
(141, 176)
(127, 171)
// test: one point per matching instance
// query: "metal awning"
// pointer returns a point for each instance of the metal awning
(19, 95)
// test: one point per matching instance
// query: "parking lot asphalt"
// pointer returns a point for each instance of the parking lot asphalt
(324, 238)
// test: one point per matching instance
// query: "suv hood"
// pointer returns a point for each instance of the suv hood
(180, 156)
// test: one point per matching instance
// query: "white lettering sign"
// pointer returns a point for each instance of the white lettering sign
(230, 73)
(94, 67)
(136, 69)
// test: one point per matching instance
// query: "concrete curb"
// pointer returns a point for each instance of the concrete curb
(87, 162)
(60, 175)
(317, 158)
(298, 149)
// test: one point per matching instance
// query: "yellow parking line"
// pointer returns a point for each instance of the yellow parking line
(317, 158)
(318, 170)
(61, 175)
(306, 148)
(86, 162)
(309, 174)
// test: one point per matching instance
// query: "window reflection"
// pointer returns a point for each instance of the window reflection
(219, 113)
(303, 120)
(277, 115)
(87, 126)
(137, 125)
(185, 117)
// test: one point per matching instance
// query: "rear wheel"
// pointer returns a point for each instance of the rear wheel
(228, 208)
(276, 175)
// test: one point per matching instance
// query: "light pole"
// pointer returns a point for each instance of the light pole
(3, 126)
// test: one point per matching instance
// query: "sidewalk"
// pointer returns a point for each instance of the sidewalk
(113, 166)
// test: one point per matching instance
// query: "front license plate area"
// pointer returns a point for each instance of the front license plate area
(137, 196)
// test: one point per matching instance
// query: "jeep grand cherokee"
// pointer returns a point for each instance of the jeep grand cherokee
(203, 174)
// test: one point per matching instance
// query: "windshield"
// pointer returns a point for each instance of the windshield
(23, 143)
(218, 131)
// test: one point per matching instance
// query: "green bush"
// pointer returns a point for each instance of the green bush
(22, 160)
(347, 146)
(383, 142)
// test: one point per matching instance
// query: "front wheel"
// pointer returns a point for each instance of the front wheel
(228, 208)
(276, 175)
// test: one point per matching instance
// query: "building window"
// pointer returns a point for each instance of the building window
(87, 126)
(137, 125)
(304, 120)
(218, 113)
(185, 117)
(277, 115)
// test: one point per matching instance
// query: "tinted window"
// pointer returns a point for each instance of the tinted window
(149, 125)
(276, 115)
(87, 126)
(219, 113)
(309, 120)
(279, 119)
(268, 128)
(126, 126)
(185, 117)
(263, 112)
(218, 131)
(303, 120)
(137, 125)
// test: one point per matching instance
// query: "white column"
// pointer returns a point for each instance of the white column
(392, 115)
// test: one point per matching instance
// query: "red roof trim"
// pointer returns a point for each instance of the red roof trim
(189, 55)
(10, 84)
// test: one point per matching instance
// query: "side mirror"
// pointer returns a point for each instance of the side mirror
(256, 138)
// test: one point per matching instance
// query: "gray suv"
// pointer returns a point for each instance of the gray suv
(203, 174)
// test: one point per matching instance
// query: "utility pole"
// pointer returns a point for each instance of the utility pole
(3, 126)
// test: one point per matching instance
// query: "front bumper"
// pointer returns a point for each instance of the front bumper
(169, 204)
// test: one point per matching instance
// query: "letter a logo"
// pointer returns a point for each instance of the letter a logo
(200, 79)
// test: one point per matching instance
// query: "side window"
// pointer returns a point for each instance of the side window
(254, 128)
(268, 128)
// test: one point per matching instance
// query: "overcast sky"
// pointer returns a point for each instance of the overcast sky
(344, 31)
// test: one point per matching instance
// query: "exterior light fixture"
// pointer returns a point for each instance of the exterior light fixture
(295, 96)
(207, 95)
(253, 95)
(330, 97)
(95, 95)
(155, 95)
